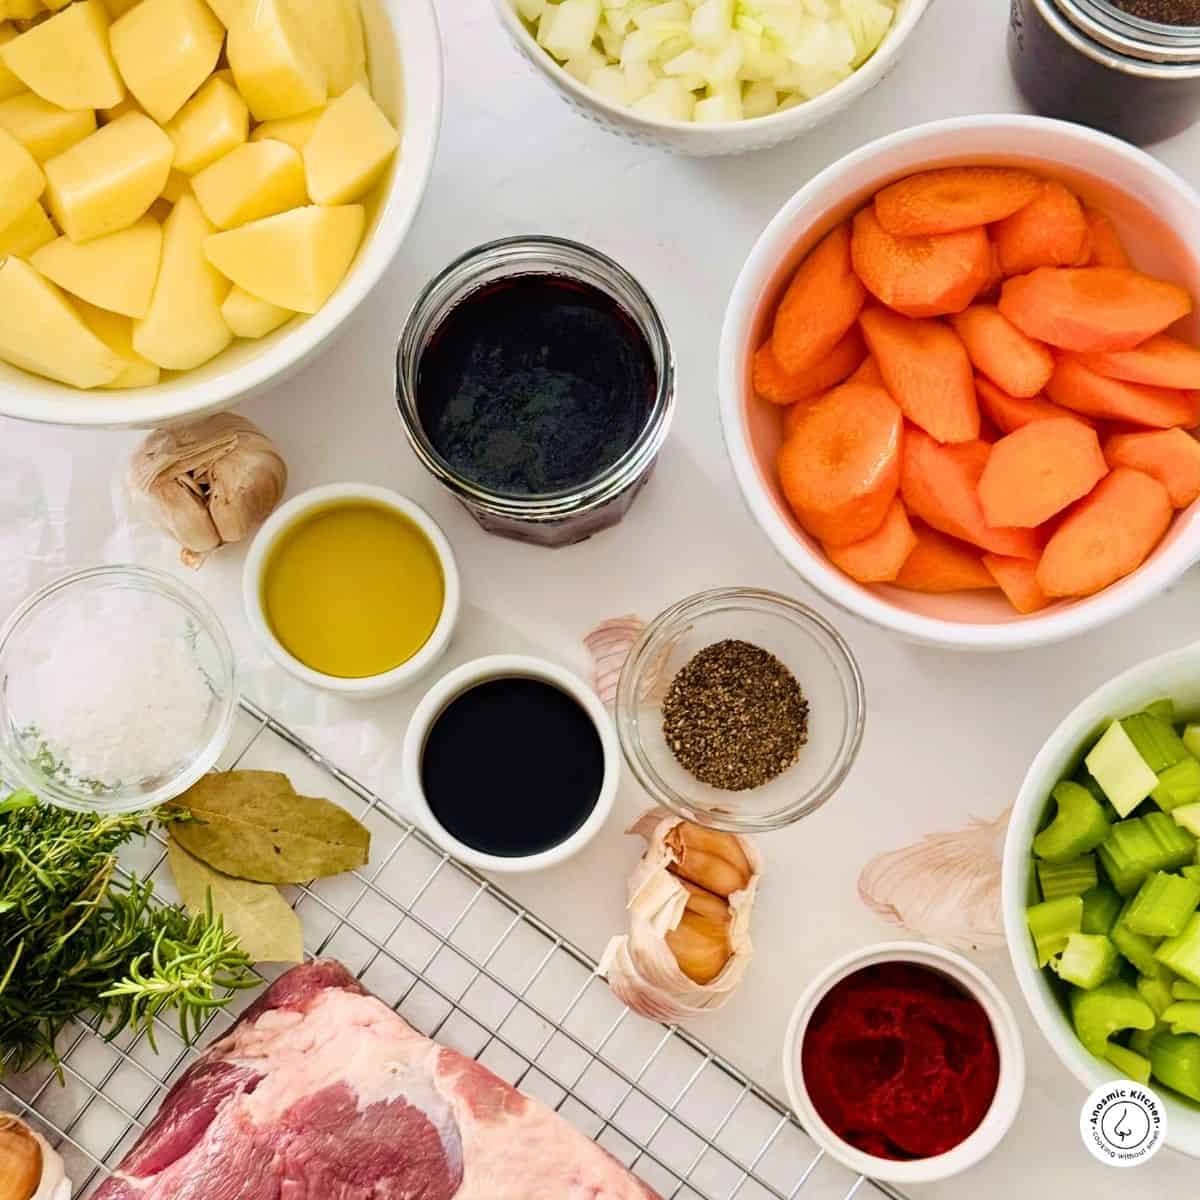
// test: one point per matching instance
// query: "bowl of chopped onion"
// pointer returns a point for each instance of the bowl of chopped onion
(709, 77)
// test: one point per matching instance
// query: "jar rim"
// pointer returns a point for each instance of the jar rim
(1107, 24)
(525, 255)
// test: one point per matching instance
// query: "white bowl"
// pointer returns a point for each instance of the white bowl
(727, 137)
(281, 520)
(1009, 1089)
(1158, 216)
(1176, 675)
(453, 685)
(405, 60)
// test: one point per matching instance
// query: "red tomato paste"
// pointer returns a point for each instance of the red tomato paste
(900, 1062)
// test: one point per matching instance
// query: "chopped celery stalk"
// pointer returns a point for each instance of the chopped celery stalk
(1188, 816)
(1052, 922)
(1177, 847)
(1192, 872)
(1100, 908)
(1175, 1062)
(1086, 779)
(1135, 948)
(1156, 993)
(1164, 709)
(1183, 1016)
(1140, 845)
(1079, 825)
(1178, 785)
(1125, 776)
(1105, 1010)
(1075, 877)
(1155, 740)
(1182, 953)
(1191, 739)
(1182, 990)
(1131, 1064)
(1088, 960)
(1140, 1040)
(1163, 905)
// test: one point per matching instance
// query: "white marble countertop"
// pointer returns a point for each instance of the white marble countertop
(947, 736)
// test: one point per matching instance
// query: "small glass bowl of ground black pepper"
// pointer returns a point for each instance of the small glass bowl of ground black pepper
(536, 383)
(741, 710)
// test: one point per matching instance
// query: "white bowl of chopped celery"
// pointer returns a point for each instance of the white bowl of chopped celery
(708, 77)
(1102, 887)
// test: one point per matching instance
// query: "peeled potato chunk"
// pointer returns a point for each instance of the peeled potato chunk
(44, 129)
(183, 326)
(178, 184)
(106, 116)
(110, 179)
(10, 85)
(224, 10)
(21, 179)
(349, 149)
(116, 272)
(166, 49)
(250, 317)
(66, 59)
(29, 231)
(116, 332)
(251, 181)
(211, 124)
(294, 130)
(41, 332)
(274, 68)
(295, 259)
(22, 10)
(333, 32)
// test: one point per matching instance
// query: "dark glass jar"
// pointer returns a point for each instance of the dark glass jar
(556, 518)
(1090, 62)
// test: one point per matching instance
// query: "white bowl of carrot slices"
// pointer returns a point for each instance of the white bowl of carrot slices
(960, 379)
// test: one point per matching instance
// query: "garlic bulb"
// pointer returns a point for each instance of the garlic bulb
(690, 899)
(29, 1168)
(946, 887)
(208, 483)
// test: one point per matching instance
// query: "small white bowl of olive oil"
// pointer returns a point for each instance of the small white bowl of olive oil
(352, 588)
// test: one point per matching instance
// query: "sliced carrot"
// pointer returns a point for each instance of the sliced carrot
(869, 372)
(940, 484)
(940, 564)
(926, 369)
(953, 198)
(1002, 352)
(1092, 309)
(1106, 536)
(1017, 578)
(1049, 231)
(778, 386)
(821, 303)
(1036, 472)
(1075, 387)
(990, 289)
(1161, 361)
(840, 468)
(793, 414)
(879, 557)
(1107, 250)
(923, 276)
(1168, 455)
(1012, 412)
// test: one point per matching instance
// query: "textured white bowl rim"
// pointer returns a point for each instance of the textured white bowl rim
(1009, 1089)
(416, 27)
(330, 494)
(1112, 698)
(800, 117)
(773, 246)
(462, 679)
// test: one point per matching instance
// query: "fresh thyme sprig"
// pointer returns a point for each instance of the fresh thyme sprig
(79, 939)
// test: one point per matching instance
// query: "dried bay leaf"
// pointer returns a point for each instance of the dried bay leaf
(253, 825)
(266, 927)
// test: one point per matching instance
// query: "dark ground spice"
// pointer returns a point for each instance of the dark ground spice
(1165, 12)
(735, 716)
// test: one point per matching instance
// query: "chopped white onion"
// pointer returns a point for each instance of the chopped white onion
(709, 60)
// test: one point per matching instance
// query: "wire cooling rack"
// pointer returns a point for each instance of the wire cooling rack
(464, 963)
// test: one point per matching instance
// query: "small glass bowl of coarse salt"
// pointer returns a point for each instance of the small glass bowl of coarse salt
(117, 690)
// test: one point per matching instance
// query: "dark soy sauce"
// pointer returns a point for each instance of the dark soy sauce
(512, 767)
(535, 384)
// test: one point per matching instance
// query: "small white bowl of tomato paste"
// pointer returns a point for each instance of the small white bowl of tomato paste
(904, 1061)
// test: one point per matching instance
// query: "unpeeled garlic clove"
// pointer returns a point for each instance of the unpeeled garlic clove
(710, 858)
(29, 1168)
(700, 942)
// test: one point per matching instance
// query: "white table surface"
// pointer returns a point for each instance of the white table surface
(947, 735)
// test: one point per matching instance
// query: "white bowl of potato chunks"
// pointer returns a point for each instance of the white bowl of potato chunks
(195, 194)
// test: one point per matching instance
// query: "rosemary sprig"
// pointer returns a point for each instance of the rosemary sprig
(79, 940)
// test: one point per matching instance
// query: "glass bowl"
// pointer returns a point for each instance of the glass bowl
(163, 612)
(806, 644)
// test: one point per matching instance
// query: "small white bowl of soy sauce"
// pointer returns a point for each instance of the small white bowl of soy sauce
(510, 763)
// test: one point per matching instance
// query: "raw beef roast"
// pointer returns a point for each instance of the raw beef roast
(321, 1092)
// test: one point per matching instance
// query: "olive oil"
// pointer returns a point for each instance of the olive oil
(353, 589)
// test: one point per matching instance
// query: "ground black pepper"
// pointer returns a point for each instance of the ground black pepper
(1165, 12)
(735, 717)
